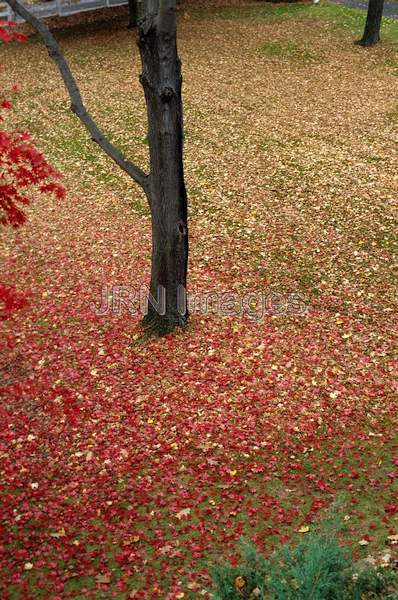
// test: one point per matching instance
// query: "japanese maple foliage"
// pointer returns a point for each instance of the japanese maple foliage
(23, 170)
(7, 33)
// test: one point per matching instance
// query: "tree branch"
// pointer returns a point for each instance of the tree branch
(77, 105)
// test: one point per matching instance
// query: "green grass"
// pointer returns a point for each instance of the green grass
(258, 13)
(393, 116)
(288, 50)
(342, 18)
(392, 62)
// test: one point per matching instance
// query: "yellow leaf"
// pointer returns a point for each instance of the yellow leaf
(240, 583)
(233, 473)
(28, 566)
(304, 529)
(363, 542)
(59, 533)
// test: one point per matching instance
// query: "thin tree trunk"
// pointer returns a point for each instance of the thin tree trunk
(133, 14)
(373, 23)
(161, 80)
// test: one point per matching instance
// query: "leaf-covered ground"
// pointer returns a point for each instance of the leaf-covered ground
(126, 467)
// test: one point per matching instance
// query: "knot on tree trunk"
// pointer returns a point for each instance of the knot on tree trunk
(182, 229)
(167, 94)
(146, 25)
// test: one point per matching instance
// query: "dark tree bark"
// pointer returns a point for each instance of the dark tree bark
(161, 80)
(373, 23)
(164, 186)
(133, 14)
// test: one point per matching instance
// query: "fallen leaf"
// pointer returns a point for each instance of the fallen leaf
(304, 529)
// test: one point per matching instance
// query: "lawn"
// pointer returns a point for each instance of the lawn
(128, 467)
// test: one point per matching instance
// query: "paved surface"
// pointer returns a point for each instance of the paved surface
(390, 8)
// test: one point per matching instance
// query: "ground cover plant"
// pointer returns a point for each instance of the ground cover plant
(317, 568)
(127, 468)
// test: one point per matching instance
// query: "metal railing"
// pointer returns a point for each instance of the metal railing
(58, 8)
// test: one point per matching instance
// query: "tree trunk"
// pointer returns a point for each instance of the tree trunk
(161, 80)
(133, 14)
(373, 22)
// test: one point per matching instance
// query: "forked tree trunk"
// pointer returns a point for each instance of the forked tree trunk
(373, 23)
(164, 186)
(161, 80)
